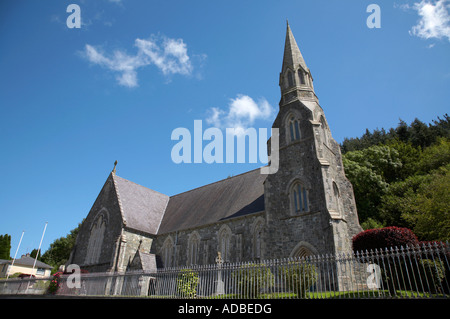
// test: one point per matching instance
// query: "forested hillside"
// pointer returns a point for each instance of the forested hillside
(401, 177)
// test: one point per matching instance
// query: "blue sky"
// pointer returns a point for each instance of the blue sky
(72, 101)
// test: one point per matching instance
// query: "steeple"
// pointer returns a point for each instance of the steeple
(292, 56)
(295, 77)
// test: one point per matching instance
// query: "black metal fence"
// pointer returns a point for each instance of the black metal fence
(406, 272)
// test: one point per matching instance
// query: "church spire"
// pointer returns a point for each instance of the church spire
(295, 77)
(292, 56)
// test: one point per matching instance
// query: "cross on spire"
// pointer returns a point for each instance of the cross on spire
(114, 169)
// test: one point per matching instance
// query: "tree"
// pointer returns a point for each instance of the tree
(371, 223)
(429, 210)
(441, 127)
(34, 252)
(370, 170)
(350, 144)
(60, 249)
(397, 200)
(400, 177)
(402, 131)
(417, 133)
(383, 160)
(420, 134)
(420, 202)
(5, 246)
(368, 188)
(434, 156)
(408, 155)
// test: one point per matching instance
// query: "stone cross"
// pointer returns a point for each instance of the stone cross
(220, 288)
(219, 260)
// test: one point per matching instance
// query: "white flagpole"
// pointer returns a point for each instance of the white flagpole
(37, 254)
(15, 255)
(39, 249)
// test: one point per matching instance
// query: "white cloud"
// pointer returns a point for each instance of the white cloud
(241, 113)
(170, 57)
(434, 19)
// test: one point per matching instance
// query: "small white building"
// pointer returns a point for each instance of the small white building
(24, 265)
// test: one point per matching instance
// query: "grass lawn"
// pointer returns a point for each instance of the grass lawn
(341, 295)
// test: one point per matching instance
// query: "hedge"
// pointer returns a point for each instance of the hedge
(384, 238)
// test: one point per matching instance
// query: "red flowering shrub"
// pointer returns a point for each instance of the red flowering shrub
(54, 283)
(384, 238)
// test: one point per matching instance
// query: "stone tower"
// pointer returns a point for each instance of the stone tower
(309, 203)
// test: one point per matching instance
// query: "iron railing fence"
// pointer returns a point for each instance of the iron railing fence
(406, 272)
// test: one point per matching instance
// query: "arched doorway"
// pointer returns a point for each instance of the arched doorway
(302, 250)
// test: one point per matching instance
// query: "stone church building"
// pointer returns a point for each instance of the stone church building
(307, 207)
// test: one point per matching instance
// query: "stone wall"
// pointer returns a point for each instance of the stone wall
(135, 241)
(106, 205)
(241, 241)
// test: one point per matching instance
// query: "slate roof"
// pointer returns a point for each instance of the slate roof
(142, 208)
(148, 261)
(27, 261)
(155, 213)
(232, 197)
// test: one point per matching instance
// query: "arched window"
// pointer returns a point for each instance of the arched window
(224, 242)
(193, 248)
(323, 123)
(96, 240)
(299, 198)
(290, 79)
(294, 129)
(336, 190)
(257, 230)
(337, 198)
(167, 252)
(301, 76)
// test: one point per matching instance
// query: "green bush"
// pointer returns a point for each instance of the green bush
(300, 276)
(252, 278)
(187, 282)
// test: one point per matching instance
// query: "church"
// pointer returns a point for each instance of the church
(307, 207)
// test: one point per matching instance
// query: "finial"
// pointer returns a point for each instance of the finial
(114, 169)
